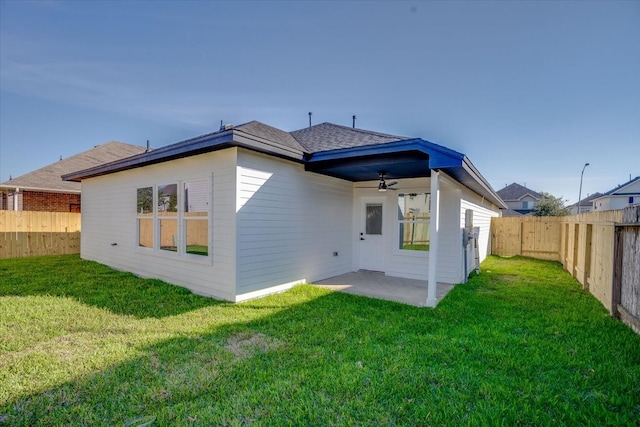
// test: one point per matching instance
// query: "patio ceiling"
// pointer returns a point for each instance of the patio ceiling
(413, 158)
(409, 158)
(411, 164)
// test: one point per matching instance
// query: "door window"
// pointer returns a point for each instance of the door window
(374, 219)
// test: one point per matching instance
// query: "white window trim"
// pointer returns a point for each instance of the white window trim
(409, 252)
(180, 254)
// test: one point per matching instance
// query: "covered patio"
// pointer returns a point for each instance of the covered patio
(375, 284)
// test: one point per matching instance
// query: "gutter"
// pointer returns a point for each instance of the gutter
(191, 147)
(471, 170)
(44, 190)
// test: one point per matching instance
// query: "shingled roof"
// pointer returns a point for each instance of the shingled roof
(515, 192)
(587, 200)
(327, 136)
(334, 150)
(270, 133)
(48, 178)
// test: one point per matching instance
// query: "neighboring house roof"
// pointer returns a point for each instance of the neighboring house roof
(586, 201)
(514, 192)
(347, 153)
(621, 190)
(510, 212)
(49, 178)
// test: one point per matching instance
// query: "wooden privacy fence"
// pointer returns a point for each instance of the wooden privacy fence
(626, 270)
(26, 233)
(600, 249)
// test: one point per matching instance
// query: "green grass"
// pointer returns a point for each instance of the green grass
(198, 249)
(416, 246)
(520, 344)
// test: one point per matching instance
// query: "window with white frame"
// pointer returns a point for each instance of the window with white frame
(413, 221)
(145, 217)
(168, 217)
(175, 217)
(196, 217)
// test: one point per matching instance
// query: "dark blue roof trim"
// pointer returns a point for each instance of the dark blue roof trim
(439, 156)
(615, 192)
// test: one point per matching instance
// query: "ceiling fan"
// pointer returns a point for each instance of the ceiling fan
(383, 185)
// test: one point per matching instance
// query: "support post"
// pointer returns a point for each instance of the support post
(434, 225)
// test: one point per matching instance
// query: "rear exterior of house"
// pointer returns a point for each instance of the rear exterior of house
(242, 220)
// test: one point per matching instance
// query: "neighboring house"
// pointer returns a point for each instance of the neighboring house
(585, 204)
(275, 209)
(519, 198)
(620, 197)
(509, 212)
(44, 189)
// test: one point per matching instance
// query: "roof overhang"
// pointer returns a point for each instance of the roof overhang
(412, 158)
(192, 147)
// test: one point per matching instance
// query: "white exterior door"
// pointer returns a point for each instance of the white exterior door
(371, 234)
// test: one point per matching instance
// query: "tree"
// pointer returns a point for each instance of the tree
(145, 200)
(550, 206)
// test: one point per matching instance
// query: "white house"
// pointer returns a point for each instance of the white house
(585, 204)
(620, 197)
(251, 210)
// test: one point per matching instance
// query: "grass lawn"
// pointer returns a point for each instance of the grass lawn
(520, 344)
(416, 246)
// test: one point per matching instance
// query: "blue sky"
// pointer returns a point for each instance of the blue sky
(529, 91)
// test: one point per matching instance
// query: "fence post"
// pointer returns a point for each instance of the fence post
(616, 291)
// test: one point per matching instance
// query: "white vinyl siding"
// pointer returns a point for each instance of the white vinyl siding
(450, 234)
(272, 224)
(454, 199)
(290, 223)
(396, 263)
(483, 211)
(415, 264)
(109, 225)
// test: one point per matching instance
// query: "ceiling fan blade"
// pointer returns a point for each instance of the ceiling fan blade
(392, 183)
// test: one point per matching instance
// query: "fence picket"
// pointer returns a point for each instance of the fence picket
(26, 233)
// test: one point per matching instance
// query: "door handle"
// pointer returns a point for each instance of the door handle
(362, 238)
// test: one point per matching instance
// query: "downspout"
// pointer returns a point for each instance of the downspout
(434, 225)
(15, 198)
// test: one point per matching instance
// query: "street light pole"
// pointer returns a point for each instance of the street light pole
(580, 193)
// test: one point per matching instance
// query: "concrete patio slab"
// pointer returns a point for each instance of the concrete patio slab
(376, 284)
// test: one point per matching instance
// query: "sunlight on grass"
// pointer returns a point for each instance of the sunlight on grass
(521, 343)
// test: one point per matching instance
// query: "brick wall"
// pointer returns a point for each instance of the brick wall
(50, 202)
